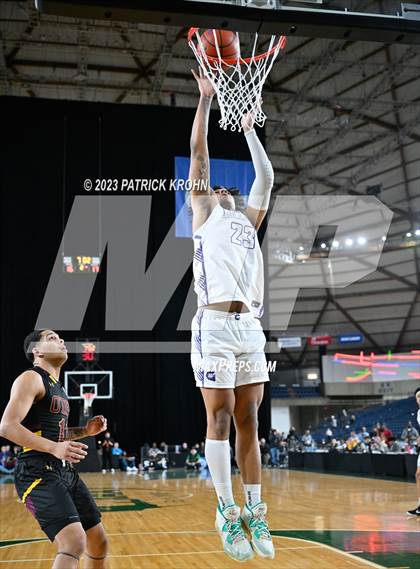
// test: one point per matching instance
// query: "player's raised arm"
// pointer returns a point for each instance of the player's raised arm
(202, 197)
(27, 388)
(259, 196)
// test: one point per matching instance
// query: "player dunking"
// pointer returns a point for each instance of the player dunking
(227, 338)
(416, 511)
(36, 418)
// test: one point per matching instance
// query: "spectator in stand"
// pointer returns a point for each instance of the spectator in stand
(378, 445)
(131, 461)
(410, 433)
(352, 419)
(193, 460)
(292, 439)
(274, 441)
(378, 428)
(374, 433)
(7, 460)
(283, 458)
(107, 445)
(341, 445)
(364, 434)
(307, 440)
(397, 446)
(328, 435)
(386, 434)
(157, 458)
(333, 446)
(352, 442)
(344, 417)
(154, 452)
(265, 452)
(334, 421)
(12, 459)
(164, 448)
(117, 452)
(410, 447)
(125, 462)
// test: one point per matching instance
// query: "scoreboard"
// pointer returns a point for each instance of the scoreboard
(370, 367)
(81, 264)
(87, 350)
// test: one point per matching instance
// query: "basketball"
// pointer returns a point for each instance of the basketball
(227, 43)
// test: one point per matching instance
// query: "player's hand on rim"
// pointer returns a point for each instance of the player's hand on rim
(206, 88)
(247, 121)
(96, 425)
(71, 451)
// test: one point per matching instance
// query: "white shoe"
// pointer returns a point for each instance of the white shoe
(103, 471)
(254, 520)
(112, 470)
(235, 542)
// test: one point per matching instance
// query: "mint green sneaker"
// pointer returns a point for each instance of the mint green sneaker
(254, 520)
(235, 542)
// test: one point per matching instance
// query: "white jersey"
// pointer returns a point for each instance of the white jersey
(228, 263)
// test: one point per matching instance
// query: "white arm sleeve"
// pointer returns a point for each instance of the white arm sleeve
(259, 196)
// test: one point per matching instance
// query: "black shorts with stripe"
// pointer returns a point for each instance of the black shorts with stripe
(55, 494)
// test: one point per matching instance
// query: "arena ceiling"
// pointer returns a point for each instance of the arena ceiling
(343, 117)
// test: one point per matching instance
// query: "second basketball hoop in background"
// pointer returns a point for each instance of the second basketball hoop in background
(87, 403)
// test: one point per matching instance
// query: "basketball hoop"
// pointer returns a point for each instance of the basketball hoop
(87, 402)
(238, 81)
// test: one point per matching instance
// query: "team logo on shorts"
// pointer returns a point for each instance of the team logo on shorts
(211, 375)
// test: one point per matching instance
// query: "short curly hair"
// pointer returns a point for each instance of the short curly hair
(32, 338)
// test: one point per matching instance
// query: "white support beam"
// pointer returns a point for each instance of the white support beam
(162, 64)
(83, 46)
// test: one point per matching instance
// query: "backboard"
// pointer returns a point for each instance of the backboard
(99, 382)
(389, 21)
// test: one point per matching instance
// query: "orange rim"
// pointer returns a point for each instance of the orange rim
(281, 44)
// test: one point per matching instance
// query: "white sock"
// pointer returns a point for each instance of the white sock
(218, 459)
(419, 503)
(252, 494)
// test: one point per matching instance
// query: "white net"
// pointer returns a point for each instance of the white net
(87, 402)
(238, 82)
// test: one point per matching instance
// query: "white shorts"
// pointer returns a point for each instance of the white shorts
(227, 349)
